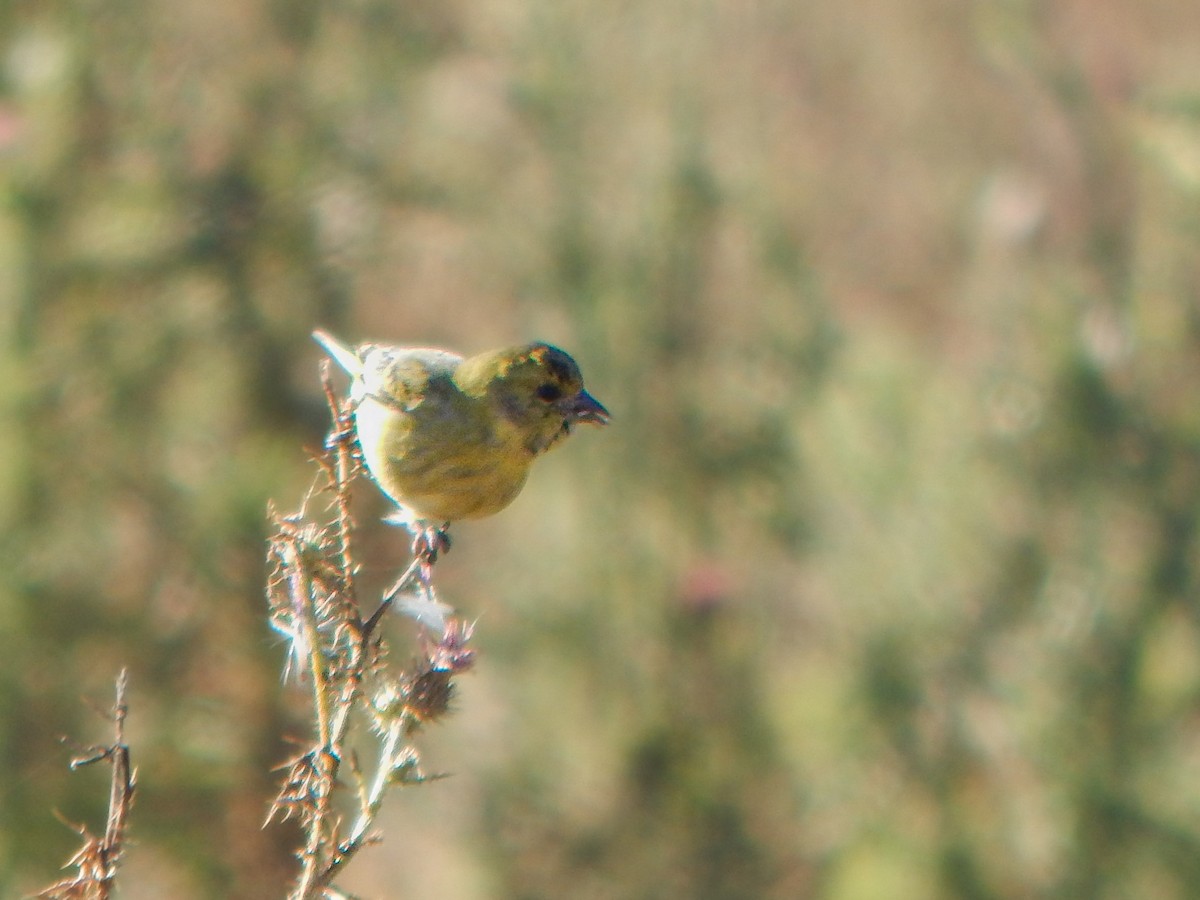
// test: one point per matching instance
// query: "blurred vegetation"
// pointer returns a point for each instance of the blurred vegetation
(883, 583)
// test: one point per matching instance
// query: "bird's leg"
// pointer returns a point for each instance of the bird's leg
(339, 435)
(429, 541)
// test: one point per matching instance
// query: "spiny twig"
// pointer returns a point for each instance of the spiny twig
(314, 603)
(96, 861)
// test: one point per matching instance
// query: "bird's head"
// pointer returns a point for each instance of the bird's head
(538, 388)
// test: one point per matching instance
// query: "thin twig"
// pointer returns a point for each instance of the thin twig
(312, 595)
(345, 470)
(97, 860)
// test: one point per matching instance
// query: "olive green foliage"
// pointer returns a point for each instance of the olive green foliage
(882, 583)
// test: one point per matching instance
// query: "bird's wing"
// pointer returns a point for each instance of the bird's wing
(402, 376)
(396, 376)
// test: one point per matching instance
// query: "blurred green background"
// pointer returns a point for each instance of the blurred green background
(882, 584)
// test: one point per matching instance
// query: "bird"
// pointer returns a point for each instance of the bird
(448, 437)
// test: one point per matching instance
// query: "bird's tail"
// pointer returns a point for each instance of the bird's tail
(341, 354)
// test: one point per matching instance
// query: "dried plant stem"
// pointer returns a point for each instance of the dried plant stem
(344, 472)
(97, 860)
(383, 775)
(324, 757)
(332, 730)
(314, 604)
(409, 578)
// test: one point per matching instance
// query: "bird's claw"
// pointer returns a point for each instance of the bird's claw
(429, 542)
(339, 436)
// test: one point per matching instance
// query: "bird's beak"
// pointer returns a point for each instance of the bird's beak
(586, 408)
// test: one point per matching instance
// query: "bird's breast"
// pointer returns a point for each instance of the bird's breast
(441, 463)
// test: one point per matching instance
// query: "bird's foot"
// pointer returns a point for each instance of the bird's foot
(429, 542)
(340, 435)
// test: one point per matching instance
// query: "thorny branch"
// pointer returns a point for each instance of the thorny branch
(314, 604)
(96, 861)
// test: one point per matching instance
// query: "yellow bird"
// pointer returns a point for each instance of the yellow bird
(450, 438)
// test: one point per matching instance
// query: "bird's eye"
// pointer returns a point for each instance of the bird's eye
(549, 392)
